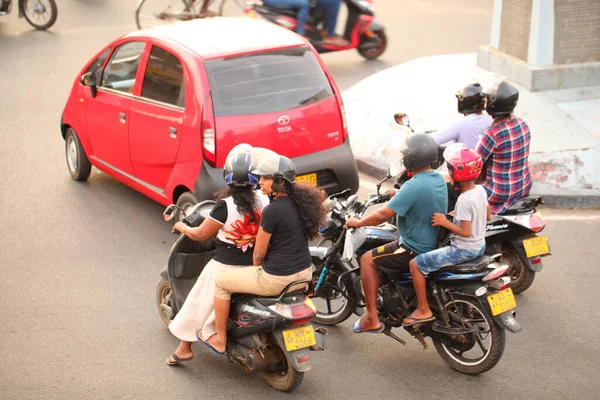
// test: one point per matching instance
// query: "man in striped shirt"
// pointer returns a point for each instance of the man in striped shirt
(504, 149)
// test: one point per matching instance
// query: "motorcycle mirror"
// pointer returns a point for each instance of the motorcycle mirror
(395, 168)
(89, 79)
(402, 119)
(169, 212)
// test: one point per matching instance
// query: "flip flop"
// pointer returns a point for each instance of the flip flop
(356, 328)
(209, 347)
(177, 360)
(416, 320)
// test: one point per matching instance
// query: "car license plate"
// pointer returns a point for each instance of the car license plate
(310, 179)
(502, 301)
(536, 246)
(299, 338)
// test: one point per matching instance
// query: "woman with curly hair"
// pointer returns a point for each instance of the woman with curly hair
(281, 254)
(234, 220)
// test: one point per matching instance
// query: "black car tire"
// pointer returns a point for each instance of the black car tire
(185, 202)
(77, 162)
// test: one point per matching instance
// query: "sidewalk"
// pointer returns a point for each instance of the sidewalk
(565, 124)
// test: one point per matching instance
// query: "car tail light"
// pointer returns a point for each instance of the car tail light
(533, 222)
(299, 313)
(496, 272)
(209, 140)
(344, 122)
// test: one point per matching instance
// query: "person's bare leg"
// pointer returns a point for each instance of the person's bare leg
(419, 281)
(184, 350)
(369, 275)
(219, 340)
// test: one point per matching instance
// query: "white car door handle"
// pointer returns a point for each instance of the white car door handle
(172, 132)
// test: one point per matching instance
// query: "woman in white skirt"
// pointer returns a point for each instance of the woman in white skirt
(235, 221)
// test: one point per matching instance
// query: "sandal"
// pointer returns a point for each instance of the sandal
(177, 360)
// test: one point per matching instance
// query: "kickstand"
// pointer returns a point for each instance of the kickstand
(388, 332)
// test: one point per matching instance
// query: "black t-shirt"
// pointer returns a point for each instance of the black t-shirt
(288, 248)
(227, 253)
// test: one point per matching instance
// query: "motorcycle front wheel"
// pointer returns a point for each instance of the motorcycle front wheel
(332, 307)
(41, 14)
(163, 301)
(476, 352)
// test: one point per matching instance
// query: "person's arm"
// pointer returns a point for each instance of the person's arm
(206, 230)
(464, 229)
(260, 247)
(447, 134)
(489, 213)
(376, 218)
(486, 145)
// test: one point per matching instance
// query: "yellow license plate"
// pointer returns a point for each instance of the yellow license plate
(536, 246)
(502, 301)
(299, 338)
(310, 179)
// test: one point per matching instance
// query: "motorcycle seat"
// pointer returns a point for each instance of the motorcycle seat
(524, 204)
(468, 267)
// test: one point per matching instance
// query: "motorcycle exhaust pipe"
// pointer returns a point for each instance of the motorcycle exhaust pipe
(250, 359)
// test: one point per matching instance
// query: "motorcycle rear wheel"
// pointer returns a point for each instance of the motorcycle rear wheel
(287, 380)
(521, 277)
(471, 311)
(34, 10)
(372, 54)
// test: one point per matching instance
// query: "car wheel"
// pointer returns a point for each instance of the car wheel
(185, 202)
(77, 162)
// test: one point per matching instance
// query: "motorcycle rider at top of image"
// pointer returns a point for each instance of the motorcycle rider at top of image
(470, 127)
(504, 149)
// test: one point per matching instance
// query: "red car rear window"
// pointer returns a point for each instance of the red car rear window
(267, 82)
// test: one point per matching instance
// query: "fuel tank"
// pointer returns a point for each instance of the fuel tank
(378, 236)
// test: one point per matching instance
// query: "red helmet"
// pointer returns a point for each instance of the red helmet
(464, 164)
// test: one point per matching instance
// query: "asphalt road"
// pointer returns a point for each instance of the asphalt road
(80, 262)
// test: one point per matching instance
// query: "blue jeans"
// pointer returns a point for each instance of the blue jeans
(444, 257)
(332, 9)
(303, 7)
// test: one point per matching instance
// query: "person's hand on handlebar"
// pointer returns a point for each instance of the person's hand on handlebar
(180, 227)
(353, 223)
(391, 193)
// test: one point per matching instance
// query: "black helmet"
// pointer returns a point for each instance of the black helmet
(470, 99)
(501, 98)
(419, 150)
(237, 171)
(279, 167)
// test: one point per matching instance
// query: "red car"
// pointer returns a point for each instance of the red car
(160, 109)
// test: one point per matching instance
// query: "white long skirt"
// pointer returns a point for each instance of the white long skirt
(198, 310)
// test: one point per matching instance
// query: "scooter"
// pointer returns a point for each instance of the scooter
(270, 335)
(41, 14)
(364, 33)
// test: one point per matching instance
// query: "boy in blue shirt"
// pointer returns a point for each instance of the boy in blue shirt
(467, 240)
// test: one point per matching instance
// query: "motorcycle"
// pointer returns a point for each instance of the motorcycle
(364, 33)
(41, 14)
(269, 335)
(514, 233)
(472, 302)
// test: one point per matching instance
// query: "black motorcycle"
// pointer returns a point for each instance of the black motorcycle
(362, 31)
(41, 14)
(472, 302)
(269, 335)
(513, 233)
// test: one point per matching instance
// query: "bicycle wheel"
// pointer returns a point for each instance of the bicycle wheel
(149, 13)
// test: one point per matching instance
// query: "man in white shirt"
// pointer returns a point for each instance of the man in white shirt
(470, 128)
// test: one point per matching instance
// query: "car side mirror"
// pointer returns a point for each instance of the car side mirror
(402, 119)
(89, 79)
(169, 212)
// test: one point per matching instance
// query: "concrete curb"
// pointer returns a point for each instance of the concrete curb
(550, 201)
